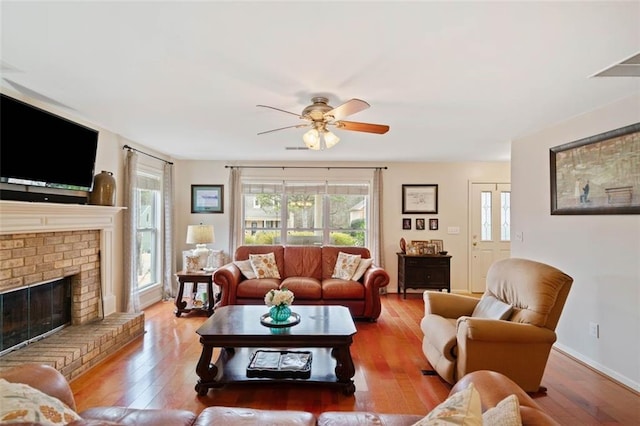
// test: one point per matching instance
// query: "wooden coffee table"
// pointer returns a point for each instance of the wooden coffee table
(325, 331)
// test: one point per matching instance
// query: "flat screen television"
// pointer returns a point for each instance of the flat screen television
(41, 152)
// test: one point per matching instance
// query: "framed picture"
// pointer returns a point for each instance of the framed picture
(433, 224)
(430, 249)
(207, 198)
(597, 175)
(420, 224)
(419, 199)
(439, 245)
(406, 223)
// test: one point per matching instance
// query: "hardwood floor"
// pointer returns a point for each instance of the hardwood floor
(158, 371)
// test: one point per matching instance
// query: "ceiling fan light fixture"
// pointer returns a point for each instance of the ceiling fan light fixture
(330, 139)
(312, 139)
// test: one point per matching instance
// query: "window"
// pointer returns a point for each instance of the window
(487, 215)
(148, 228)
(306, 213)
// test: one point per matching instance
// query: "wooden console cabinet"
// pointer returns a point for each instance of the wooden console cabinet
(428, 272)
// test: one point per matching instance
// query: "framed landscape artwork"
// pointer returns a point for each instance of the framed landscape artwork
(597, 175)
(207, 198)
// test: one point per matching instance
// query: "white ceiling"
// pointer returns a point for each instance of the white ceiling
(455, 81)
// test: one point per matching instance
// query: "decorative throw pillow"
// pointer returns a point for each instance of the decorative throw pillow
(264, 265)
(246, 268)
(462, 408)
(492, 308)
(362, 266)
(505, 413)
(20, 403)
(346, 265)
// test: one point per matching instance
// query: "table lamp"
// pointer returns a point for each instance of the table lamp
(201, 235)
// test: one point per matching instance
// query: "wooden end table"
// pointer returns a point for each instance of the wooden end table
(326, 331)
(195, 277)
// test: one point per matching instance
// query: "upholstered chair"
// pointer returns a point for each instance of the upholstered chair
(511, 329)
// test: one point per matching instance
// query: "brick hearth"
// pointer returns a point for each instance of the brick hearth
(76, 349)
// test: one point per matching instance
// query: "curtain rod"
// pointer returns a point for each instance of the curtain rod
(304, 167)
(148, 155)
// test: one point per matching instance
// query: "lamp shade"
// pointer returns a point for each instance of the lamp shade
(200, 234)
(330, 139)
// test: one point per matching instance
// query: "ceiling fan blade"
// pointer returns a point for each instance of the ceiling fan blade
(278, 109)
(350, 107)
(297, 126)
(362, 127)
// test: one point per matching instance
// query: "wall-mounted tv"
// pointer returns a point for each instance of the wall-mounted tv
(40, 151)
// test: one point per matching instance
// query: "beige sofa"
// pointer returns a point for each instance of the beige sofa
(463, 334)
(492, 388)
(306, 271)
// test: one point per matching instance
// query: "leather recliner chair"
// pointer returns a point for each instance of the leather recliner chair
(458, 339)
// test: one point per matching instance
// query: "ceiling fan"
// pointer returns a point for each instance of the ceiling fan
(319, 115)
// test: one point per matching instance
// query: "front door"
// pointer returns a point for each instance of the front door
(490, 229)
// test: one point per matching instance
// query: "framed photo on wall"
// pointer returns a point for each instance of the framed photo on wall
(207, 198)
(433, 224)
(420, 224)
(406, 223)
(419, 199)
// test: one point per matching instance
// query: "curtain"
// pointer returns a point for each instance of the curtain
(168, 264)
(376, 219)
(235, 211)
(131, 298)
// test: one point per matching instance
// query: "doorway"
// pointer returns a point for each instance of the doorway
(490, 229)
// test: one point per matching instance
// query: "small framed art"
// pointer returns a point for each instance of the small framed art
(207, 198)
(420, 224)
(406, 223)
(433, 224)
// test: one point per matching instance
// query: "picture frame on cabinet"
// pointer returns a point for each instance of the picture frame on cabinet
(430, 249)
(439, 245)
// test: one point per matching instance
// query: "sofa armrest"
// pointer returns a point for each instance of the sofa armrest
(448, 305)
(375, 277)
(44, 378)
(493, 387)
(227, 277)
(497, 331)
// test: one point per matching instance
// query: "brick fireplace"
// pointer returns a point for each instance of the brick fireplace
(40, 242)
(33, 258)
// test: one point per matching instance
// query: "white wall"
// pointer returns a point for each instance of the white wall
(601, 252)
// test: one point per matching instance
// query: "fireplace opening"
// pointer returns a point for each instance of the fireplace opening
(31, 313)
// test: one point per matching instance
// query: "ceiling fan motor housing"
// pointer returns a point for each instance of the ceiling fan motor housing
(318, 109)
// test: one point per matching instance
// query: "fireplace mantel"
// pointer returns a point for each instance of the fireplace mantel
(20, 216)
(17, 217)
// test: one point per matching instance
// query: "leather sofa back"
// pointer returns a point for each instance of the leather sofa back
(302, 261)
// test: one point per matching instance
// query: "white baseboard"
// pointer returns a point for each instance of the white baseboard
(613, 375)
